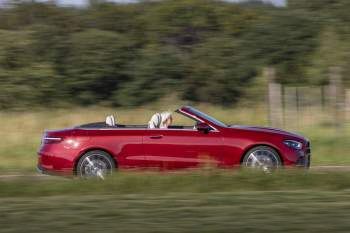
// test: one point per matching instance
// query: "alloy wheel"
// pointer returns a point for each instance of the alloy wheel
(262, 159)
(95, 166)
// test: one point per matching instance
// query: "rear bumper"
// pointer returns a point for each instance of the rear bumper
(40, 170)
(66, 173)
(52, 165)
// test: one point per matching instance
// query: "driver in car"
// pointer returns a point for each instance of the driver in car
(160, 120)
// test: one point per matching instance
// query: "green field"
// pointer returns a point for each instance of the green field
(207, 200)
(62, 65)
(214, 212)
(201, 201)
(21, 131)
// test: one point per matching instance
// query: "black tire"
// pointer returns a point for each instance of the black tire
(263, 158)
(95, 164)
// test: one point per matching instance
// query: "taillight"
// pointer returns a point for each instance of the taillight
(50, 140)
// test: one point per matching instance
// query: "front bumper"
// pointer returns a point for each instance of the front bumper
(304, 159)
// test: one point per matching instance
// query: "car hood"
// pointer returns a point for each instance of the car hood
(267, 130)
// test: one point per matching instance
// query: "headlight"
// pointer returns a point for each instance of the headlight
(293, 144)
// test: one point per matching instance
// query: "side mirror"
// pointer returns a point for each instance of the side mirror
(203, 127)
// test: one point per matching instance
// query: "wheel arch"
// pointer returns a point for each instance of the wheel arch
(261, 144)
(82, 153)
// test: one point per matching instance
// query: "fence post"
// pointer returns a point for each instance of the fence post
(274, 98)
(290, 107)
(336, 96)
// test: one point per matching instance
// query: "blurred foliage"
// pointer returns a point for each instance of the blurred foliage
(131, 54)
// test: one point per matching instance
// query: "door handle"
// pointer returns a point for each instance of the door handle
(156, 136)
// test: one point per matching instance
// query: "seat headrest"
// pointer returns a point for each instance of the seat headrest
(110, 120)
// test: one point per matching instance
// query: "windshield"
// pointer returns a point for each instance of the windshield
(207, 117)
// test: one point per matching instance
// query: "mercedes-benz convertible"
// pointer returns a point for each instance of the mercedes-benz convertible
(98, 149)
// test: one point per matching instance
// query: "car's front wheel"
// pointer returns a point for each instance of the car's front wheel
(95, 164)
(262, 158)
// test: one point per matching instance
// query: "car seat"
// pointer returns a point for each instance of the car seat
(110, 120)
(155, 121)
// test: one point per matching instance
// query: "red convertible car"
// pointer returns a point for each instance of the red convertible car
(98, 149)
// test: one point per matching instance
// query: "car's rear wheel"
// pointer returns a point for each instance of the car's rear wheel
(262, 158)
(95, 164)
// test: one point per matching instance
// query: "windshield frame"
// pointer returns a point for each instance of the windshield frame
(206, 117)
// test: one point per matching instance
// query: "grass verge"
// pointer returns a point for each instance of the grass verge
(203, 181)
(203, 201)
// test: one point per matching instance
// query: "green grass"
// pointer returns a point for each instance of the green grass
(195, 181)
(214, 212)
(200, 201)
(206, 200)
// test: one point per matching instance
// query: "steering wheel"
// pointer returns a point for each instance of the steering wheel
(195, 126)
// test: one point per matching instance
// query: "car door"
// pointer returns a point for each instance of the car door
(125, 144)
(181, 148)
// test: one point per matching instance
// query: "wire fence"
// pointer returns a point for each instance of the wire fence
(296, 107)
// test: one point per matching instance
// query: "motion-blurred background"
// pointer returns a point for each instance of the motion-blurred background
(130, 54)
(280, 63)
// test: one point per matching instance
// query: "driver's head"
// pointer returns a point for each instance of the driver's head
(167, 119)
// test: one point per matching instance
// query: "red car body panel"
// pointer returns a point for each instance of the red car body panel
(174, 148)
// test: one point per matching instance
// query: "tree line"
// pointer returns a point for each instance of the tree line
(132, 54)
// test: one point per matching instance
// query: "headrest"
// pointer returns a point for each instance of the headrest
(110, 120)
